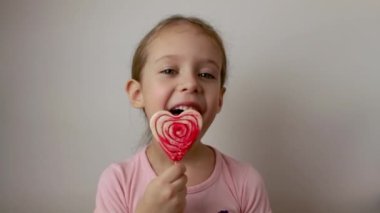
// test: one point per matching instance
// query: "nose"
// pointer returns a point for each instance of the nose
(189, 83)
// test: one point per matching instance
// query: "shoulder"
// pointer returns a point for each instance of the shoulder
(240, 170)
(247, 183)
(111, 191)
(113, 174)
(120, 170)
(114, 185)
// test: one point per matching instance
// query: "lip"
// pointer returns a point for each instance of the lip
(193, 105)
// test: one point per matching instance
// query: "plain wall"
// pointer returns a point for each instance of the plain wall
(302, 102)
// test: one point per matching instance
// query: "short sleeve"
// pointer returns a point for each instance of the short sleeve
(254, 195)
(110, 196)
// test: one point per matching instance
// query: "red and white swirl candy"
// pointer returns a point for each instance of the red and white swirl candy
(176, 133)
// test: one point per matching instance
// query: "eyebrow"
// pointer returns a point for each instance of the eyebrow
(176, 57)
(166, 57)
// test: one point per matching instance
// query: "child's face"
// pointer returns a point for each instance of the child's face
(183, 68)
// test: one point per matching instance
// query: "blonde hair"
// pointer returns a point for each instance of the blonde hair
(140, 55)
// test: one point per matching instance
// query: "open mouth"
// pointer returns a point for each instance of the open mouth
(179, 109)
(176, 111)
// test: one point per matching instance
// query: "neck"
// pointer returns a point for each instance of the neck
(159, 161)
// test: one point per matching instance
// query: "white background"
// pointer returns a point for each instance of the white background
(302, 102)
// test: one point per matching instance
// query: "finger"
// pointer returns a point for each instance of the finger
(179, 201)
(180, 183)
(173, 173)
(182, 192)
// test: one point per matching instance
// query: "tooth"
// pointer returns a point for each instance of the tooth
(183, 107)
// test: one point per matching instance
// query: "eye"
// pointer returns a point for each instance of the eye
(168, 71)
(206, 75)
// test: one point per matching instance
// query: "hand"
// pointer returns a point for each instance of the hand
(166, 193)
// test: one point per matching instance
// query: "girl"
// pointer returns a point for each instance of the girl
(180, 64)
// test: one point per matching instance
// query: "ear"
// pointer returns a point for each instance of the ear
(221, 96)
(133, 89)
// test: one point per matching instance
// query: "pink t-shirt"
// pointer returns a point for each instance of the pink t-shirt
(233, 187)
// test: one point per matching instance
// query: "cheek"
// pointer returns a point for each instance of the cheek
(155, 93)
(214, 97)
(159, 92)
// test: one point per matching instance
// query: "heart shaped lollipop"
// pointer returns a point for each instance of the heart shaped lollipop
(176, 133)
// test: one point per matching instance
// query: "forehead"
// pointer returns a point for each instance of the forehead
(183, 38)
